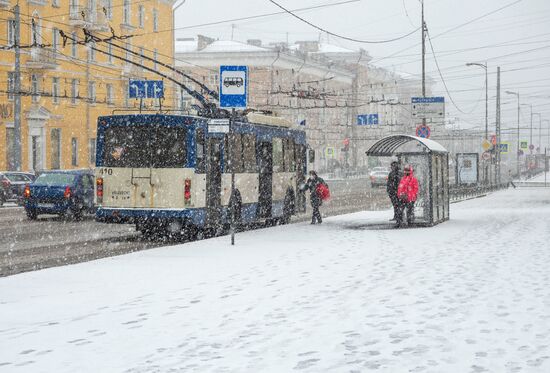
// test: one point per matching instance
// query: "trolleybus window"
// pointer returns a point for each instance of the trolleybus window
(278, 161)
(249, 153)
(144, 147)
(200, 166)
(234, 161)
(289, 156)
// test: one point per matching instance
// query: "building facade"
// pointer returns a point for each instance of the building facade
(75, 65)
(320, 86)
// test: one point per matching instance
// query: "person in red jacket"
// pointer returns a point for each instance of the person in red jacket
(407, 192)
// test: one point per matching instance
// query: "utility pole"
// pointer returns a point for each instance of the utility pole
(497, 127)
(17, 93)
(484, 66)
(517, 154)
(423, 57)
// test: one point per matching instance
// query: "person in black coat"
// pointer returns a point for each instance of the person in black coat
(391, 187)
(314, 198)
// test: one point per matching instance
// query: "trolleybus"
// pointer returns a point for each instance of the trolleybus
(173, 172)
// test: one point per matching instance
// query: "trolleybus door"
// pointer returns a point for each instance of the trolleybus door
(213, 181)
(265, 158)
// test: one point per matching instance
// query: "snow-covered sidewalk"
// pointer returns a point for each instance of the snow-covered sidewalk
(469, 295)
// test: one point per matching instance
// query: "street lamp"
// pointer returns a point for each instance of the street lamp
(531, 125)
(517, 94)
(484, 66)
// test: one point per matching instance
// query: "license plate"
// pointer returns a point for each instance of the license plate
(46, 205)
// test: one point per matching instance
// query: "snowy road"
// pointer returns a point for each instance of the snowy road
(469, 295)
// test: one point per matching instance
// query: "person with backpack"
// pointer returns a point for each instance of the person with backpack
(407, 193)
(316, 186)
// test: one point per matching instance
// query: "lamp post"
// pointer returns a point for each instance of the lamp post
(484, 66)
(531, 125)
(517, 156)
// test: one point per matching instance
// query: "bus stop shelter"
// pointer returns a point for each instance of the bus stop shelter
(430, 161)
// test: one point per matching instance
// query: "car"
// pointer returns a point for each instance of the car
(12, 184)
(379, 178)
(67, 193)
(380, 168)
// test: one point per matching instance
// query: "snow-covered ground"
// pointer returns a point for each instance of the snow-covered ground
(469, 295)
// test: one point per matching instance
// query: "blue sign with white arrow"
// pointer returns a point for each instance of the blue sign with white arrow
(367, 119)
(146, 89)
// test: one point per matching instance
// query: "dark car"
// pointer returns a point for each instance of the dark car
(12, 185)
(68, 193)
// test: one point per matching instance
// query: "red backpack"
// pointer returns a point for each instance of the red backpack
(322, 191)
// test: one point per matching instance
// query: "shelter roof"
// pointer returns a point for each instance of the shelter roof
(388, 145)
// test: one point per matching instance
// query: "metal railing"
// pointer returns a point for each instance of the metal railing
(463, 192)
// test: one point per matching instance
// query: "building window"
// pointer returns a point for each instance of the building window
(11, 85)
(108, 4)
(74, 50)
(55, 40)
(36, 30)
(74, 91)
(55, 141)
(110, 52)
(141, 55)
(91, 92)
(74, 151)
(155, 20)
(55, 90)
(110, 94)
(55, 3)
(141, 16)
(34, 88)
(11, 31)
(91, 52)
(91, 150)
(126, 13)
(129, 51)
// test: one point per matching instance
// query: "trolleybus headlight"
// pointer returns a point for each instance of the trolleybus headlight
(187, 191)
(99, 189)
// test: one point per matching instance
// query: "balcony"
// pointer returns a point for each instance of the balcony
(92, 19)
(38, 2)
(131, 71)
(41, 59)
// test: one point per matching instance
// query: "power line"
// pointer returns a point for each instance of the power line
(340, 36)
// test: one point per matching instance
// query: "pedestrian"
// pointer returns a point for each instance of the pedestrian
(391, 188)
(407, 193)
(312, 183)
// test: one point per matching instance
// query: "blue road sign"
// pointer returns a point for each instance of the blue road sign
(427, 100)
(233, 86)
(367, 119)
(146, 89)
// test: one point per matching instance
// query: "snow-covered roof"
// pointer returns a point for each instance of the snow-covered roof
(231, 46)
(330, 48)
(388, 145)
(186, 46)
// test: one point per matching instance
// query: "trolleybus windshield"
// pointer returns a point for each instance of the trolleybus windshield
(145, 147)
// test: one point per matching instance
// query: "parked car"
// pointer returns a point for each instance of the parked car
(379, 178)
(67, 193)
(12, 185)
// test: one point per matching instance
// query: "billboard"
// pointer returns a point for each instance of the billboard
(467, 168)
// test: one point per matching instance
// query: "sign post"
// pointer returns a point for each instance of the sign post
(233, 94)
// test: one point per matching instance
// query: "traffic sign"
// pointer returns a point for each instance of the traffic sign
(364, 119)
(494, 139)
(486, 145)
(531, 147)
(146, 89)
(233, 86)
(504, 146)
(486, 156)
(524, 144)
(423, 131)
(329, 152)
(428, 107)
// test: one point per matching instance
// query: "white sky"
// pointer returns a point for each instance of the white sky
(523, 26)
